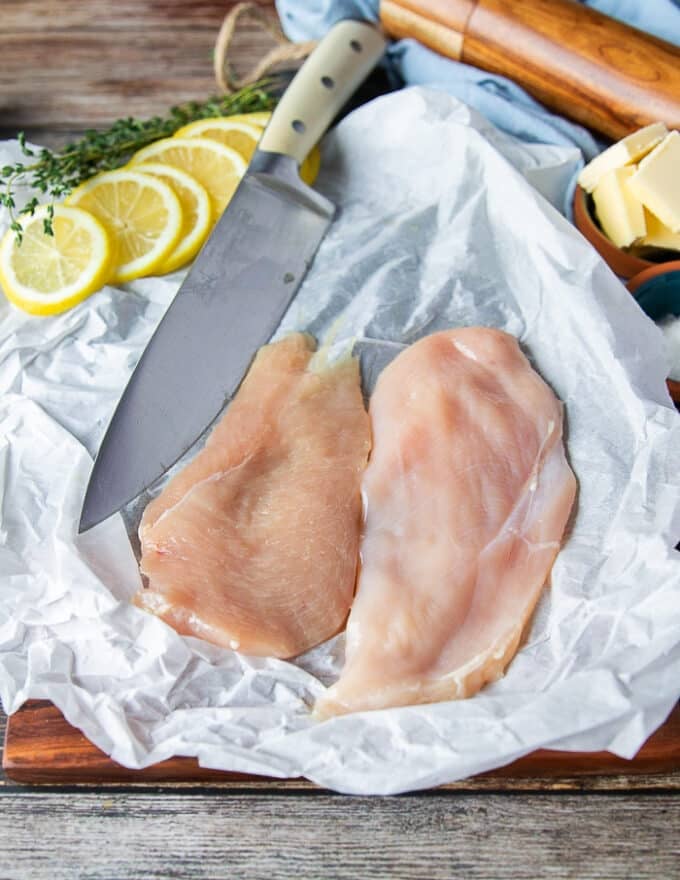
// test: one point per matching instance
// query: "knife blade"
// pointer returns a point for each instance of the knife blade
(374, 355)
(239, 287)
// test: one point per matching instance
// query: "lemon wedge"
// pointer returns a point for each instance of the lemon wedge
(196, 213)
(142, 215)
(216, 167)
(47, 274)
(239, 135)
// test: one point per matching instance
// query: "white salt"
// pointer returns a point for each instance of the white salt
(670, 325)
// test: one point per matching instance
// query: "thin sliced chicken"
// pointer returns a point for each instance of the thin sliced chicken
(254, 544)
(467, 495)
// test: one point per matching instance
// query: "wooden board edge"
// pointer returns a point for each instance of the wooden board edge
(42, 748)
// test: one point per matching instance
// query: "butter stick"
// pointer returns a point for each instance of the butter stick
(625, 152)
(620, 214)
(658, 234)
(656, 183)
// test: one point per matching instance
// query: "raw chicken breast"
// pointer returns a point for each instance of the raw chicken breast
(254, 545)
(467, 495)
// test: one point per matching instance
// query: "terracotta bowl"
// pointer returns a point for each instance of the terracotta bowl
(636, 271)
(624, 264)
(657, 291)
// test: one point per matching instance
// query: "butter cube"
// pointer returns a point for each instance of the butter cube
(659, 235)
(620, 214)
(656, 183)
(625, 152)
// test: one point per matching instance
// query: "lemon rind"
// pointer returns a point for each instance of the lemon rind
(90, 281)
(219, 122)
(187, 247)
(152, 152)
(148, 263)
(215, 146)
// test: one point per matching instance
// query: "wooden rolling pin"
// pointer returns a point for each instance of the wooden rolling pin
(582, 64)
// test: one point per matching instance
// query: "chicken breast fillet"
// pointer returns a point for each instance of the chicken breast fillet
(467, 495)
(254, 545)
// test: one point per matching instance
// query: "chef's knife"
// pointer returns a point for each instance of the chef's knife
(238, 289)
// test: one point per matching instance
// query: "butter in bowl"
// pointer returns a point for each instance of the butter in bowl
(627, 204)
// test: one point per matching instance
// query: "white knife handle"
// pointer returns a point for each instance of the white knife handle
(327, 79)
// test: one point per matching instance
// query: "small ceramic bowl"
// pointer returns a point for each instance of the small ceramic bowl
(657, 291)
(625, 265)
(655, 285)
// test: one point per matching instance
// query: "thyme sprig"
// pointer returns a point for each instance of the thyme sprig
(56, 173)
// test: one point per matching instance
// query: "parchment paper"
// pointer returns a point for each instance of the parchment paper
(438, 227)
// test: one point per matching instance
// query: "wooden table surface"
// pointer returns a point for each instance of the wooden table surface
(66, 65)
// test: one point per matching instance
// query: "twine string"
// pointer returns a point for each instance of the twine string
(284, 51)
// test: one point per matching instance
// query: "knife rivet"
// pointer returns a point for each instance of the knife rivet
(327, 81)
(288, 278)
(298, 126)
(356, 45)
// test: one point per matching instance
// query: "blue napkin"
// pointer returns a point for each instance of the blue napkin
(501, 100)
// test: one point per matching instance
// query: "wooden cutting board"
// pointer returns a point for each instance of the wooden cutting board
(42, 747)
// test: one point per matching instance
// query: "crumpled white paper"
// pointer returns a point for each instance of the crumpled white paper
(436, 229)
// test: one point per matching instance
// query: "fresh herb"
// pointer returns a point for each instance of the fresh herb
(57, 173)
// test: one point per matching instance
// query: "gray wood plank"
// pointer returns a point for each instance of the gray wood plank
(29, 16)
(268, 836)
(71, 64)
(104, 79)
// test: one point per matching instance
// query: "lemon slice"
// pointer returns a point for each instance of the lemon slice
(196, 213)
(310, 167)
(47, 274)
(242, 135)
(216, 167)
(257, 117)
(142, 215)
(239, 135)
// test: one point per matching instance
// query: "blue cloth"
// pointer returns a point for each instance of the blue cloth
(502, 101)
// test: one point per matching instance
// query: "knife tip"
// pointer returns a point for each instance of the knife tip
(86, 522)
(90, 513)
